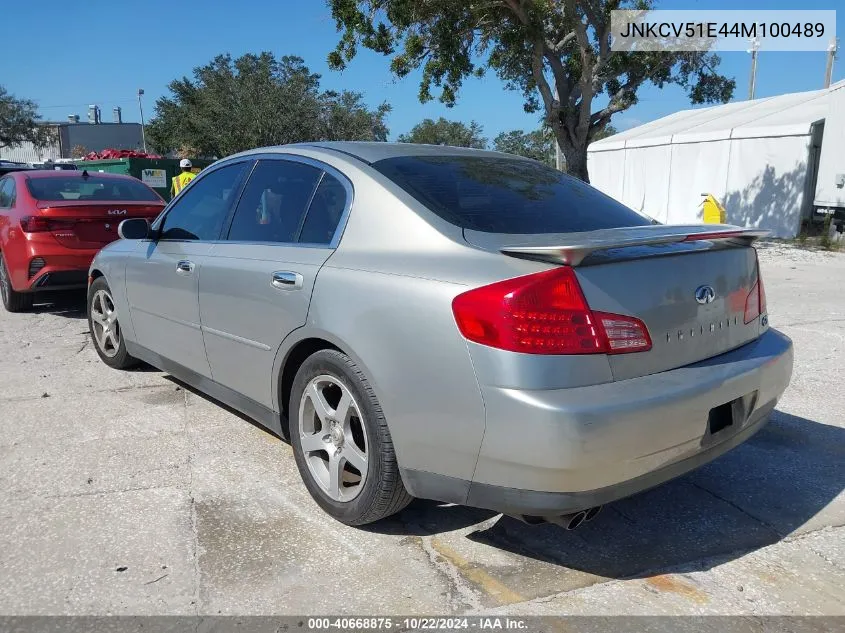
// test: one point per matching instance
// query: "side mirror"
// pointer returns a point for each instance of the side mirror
(133, 229)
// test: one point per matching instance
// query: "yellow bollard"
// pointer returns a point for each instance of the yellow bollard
(713, 211)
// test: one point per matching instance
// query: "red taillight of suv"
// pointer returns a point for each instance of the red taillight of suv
(545, 313)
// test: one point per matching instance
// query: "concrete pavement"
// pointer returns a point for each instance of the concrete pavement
(125, 493)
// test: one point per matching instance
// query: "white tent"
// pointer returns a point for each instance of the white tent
(756, 157)
(830, 185)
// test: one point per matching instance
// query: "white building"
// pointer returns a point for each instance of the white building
(70, 135)
(759, 158)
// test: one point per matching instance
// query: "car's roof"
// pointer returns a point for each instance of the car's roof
(370, 152)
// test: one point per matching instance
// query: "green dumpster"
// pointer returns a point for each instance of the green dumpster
(155, 172)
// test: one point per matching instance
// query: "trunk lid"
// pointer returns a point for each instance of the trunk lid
(86, 224)
(653, 273)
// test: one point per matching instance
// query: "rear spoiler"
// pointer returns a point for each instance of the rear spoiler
(574, 248)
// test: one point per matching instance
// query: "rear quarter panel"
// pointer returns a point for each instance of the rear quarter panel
(13, 244)
(401, 331)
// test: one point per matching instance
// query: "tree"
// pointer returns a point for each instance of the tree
(344, 116)
(19, 122)
(232, 105)
(79, 151)
(608, 130)
(445, 132)
(538, 144)
(536, 46)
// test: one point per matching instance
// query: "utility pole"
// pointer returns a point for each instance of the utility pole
(831, 55)
(558, 153)
(141, 110)
(752, 84)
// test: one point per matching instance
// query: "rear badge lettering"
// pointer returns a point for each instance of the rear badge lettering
(710, 328)
(116, 211)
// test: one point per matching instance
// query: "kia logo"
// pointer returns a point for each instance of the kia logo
(705, 294)
(117, 211)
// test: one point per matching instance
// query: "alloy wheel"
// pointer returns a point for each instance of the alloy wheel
(333, 438)
(104, 323)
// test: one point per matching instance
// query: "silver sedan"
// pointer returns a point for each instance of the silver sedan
(452, 324)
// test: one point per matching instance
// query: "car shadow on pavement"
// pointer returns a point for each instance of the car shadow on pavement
(749, 498)
(69, 304)
(215, 401)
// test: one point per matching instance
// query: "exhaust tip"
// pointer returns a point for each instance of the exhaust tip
(577, 519)
(592, 513)
(568, 521)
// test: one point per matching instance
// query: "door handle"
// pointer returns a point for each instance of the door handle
(184, 267)
(286, 280)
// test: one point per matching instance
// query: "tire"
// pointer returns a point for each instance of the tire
(13, 301)
(355, 430)
(104, 326)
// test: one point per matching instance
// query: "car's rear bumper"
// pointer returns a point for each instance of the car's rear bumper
(63, 269)
(561, 450)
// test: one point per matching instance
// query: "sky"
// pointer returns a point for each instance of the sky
(65, 56)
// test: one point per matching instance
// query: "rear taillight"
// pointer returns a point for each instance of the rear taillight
(35, 224)
(545, 313)
(623, 333)
(755, 303)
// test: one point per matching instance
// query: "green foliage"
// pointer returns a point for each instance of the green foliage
(538, 144)
(445, 132)
(19, 122)
(608, 130)
(534, 46)
(824, 240)
(232, 105)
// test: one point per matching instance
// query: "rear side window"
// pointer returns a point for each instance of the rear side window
(503, 195)
(75, 187)
(7, 193)
(325, 212)
(273, 203)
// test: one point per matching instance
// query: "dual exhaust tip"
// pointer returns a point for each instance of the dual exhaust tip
(566, 521)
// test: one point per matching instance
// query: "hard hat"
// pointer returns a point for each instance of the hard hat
(185, 163)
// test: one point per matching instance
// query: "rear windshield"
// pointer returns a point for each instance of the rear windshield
(505, 195)
(92, 188)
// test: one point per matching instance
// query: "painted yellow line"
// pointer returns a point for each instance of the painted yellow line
(492, 587)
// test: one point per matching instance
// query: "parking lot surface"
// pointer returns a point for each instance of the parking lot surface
(127, 493)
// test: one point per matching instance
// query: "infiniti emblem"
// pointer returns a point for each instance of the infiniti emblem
(705, 294)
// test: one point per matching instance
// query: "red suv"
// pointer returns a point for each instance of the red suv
(52, 223)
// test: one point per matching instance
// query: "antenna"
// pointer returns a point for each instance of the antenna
(752, 83)
(831, 55)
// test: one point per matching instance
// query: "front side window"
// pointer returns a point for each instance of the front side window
(274, 201)
(201, 210)
(506, 195)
